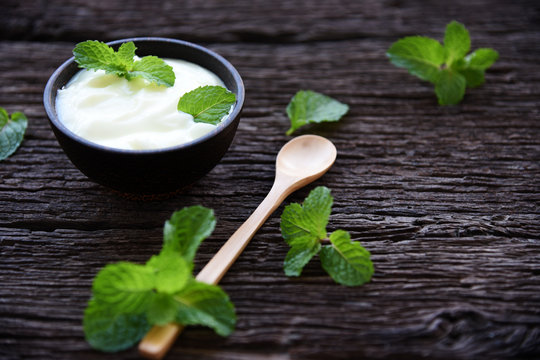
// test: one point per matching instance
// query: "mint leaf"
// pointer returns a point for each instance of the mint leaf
(154, 70)
(11, 132)
(473, 77)
(347, 262)
(449, 68)
(481, 59)
(450, 87)
(126, 53)
(299, 255)
(204, 304)
(308, 106)
(124, 287)
(162, 309)
(110, 331)
(457, 42)
(96, 55)
(301, 224)
(187, 228)
(171, 271)
(207, 104)
(421, 56)
(474, 65)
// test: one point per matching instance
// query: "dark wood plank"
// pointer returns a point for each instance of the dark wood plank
(446, 198)
(257, 20)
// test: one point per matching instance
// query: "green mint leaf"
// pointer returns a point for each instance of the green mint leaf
(347, 262)
(308, 106)
(109, 331)
(162, 309)
(124, 287)
(171, 271)
(303, 226)
(126, 53)
(473, 77)
(11, 132)
(207, 104)
(475, 64)
(482, 58)
(421, 56)
(187, 228)
(96, 55)
(154, 70)
(204, 304)
(450, 87)
(299, 255)
(307, 221)
(457, 42)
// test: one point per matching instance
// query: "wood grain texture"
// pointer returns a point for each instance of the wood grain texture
(447, 199)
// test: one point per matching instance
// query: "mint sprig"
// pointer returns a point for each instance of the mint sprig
(304, 228)
(12, 131)
(308, 106)
(207, 104)
(446, 66)
(128, 298)
(96, 55)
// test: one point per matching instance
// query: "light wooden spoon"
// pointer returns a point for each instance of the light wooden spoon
(298, 163)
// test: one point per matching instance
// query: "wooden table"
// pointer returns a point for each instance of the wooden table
(445, 198)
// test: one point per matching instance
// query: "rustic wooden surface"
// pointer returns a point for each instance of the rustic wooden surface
(445, 198)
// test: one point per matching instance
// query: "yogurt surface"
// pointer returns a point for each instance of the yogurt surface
(134, 115)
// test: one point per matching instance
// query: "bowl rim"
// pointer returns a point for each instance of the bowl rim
(219, 128)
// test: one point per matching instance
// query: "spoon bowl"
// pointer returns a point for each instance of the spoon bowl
(306, 156)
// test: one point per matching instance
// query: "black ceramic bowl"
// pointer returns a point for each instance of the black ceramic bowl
(150, 171)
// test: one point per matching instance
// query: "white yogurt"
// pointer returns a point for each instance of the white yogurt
(135, 115)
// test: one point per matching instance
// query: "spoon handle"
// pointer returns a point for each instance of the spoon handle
(216, 268)
(159, 339)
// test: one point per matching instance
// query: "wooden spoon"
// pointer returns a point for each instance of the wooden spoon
(299, 162)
